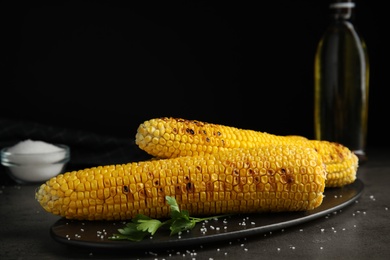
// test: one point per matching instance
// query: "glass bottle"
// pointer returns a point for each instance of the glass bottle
(341, 80)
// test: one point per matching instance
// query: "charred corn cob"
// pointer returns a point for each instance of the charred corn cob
(173, 137)
(268, 178)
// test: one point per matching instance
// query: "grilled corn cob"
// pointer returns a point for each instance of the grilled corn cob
(268, 178)
(173, 137)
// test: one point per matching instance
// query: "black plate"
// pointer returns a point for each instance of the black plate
(94, 234)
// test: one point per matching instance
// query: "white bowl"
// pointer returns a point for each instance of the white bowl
(39, 167)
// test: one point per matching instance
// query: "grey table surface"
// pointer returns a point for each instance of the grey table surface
(360, 230)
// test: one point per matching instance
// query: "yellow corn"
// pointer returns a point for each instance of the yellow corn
(341, 163)
(173, 137)
(274, 178)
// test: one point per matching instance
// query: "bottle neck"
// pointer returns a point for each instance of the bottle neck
(342, 10)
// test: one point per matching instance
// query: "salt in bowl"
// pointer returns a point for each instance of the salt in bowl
(34, 161)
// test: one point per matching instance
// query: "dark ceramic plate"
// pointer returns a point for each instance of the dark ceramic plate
(94, 234)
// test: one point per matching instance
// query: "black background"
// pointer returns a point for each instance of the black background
(106, 66)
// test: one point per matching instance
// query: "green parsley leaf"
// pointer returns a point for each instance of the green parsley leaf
(150, 226)
(174, 207)
(181, 224)
(130, 232)
(145, 223)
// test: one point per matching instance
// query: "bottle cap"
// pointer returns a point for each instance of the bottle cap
(342, 4)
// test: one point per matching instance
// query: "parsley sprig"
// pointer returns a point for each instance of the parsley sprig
(141, 226)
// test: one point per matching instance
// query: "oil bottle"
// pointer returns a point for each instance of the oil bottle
(341, 82)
